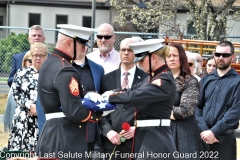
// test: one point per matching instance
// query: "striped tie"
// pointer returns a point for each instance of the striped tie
(125, 80)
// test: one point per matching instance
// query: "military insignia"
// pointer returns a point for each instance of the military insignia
(158, 82)
(73, 87)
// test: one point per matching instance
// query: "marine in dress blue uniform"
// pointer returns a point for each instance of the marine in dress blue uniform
(64, 134)
(153, 100)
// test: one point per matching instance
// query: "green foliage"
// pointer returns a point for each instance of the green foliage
(9, 46)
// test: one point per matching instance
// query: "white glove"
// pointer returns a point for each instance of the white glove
(106, 95)
(105, 113)
(93, 96)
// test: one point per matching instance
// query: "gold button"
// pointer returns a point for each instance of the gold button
(96, 119)
(80, 126)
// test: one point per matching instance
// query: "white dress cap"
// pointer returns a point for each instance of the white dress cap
(141, 49)
(81, 34)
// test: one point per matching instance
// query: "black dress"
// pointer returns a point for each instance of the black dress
(185, 129)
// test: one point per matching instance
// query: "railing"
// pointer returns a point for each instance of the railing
(200, 45)
(205, 48)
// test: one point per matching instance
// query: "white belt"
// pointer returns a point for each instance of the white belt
(54, 115)
(152, 122)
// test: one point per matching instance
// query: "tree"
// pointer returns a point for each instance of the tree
(209, 17)
(11, 45)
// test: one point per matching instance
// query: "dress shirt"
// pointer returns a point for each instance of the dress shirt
(219, 105)
(130, 76)
(109, 63)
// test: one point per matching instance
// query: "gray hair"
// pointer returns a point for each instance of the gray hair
(191, 56)
(35, 27)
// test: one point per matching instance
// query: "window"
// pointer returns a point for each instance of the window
(60, 19)
(1, 20)
(34, 19)
(191, 29)
(87, 21)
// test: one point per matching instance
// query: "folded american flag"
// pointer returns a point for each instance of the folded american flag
(98, 106)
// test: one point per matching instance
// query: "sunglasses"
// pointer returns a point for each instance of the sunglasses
(105, 37)
(224, 55)
(190, 64)
(29, 60)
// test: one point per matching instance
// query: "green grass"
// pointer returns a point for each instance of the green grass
(3, 101)
(2, 110)
(3, 79)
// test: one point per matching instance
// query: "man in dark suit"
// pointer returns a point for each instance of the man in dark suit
(36, 34)
(90, 75)
(111, 125)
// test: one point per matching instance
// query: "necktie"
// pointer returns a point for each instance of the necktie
(125, 80)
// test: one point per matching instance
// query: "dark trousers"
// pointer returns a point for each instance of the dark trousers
(90, 148)
(122, 152)
(225, 149)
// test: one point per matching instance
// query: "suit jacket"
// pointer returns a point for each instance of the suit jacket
(97, 73)
(122, 113)
(16, 64)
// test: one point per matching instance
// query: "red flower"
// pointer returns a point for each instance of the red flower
(126, 126)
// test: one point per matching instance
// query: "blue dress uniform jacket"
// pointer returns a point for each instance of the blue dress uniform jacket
(219, 105)
(58, 85)
(153, 99)
(97, 73)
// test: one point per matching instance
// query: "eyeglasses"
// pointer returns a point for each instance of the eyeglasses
(126, 49)
(40, 56)
(105, 37)
(190, 64)
(29, 60)
(224, 55)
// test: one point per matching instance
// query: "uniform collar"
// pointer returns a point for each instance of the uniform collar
(62, 54)
(158, 71)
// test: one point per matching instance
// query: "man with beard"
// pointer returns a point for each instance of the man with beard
(218, 110)
(105, 55)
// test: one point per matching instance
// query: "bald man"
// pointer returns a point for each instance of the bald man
(105, 55)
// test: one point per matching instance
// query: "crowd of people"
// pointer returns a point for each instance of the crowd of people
(174, 109)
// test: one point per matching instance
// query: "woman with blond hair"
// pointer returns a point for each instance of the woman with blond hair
(27, 60)
(24, 131)
(11, 103)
